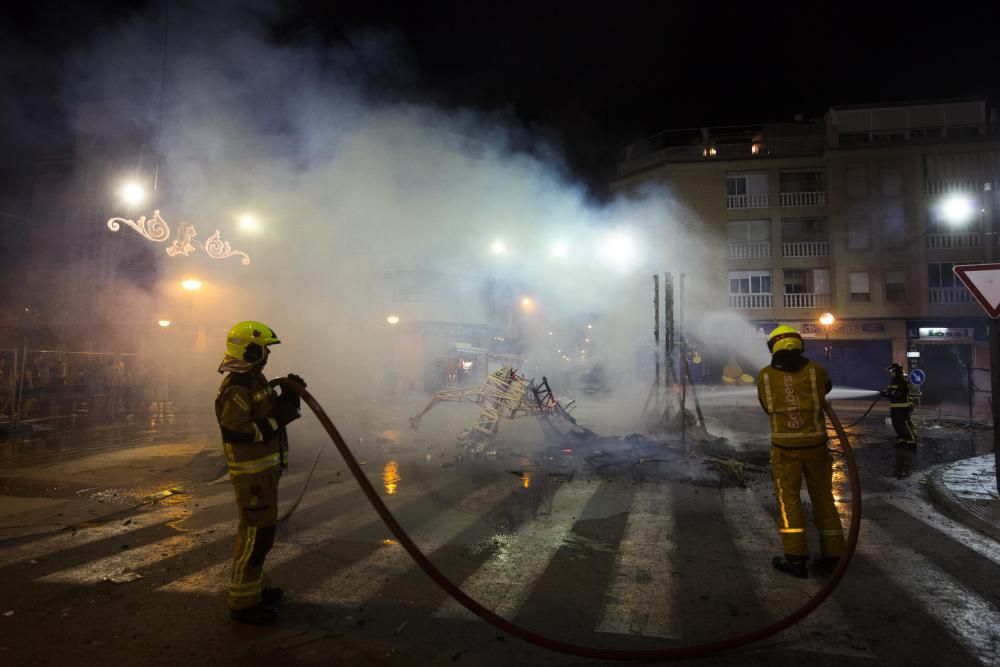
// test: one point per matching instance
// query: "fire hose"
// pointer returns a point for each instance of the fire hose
(672, 653)
(862, 417)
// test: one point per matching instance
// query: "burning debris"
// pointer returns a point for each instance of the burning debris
(508, 394)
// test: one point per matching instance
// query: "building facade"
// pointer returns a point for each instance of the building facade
(861, 214)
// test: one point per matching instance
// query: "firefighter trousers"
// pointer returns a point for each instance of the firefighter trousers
(815, 464)
(902, 422)
(257, 503)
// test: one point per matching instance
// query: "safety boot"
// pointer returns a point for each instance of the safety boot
(826, 564)
(793, 565)
(272, 596)
(258, 614)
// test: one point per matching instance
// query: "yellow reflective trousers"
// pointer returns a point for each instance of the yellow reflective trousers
(815, 464)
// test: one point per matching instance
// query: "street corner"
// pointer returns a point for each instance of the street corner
(967, 491)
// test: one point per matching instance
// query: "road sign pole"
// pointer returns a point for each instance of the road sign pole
(995, 391)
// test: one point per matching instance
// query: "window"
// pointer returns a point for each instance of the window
(893, 228)
(895, 286)
(857, 185)
(939, 274)
(860, 286)
(892, 181)
(803, 230)
(749, 231)
(888, 136)
(807, 281)
(925, 133)
(746, 184)
(749, 282)
(802, 181)
(859, 235)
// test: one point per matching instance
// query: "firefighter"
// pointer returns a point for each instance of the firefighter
(252, 418)
(900, 405)
(791, 390)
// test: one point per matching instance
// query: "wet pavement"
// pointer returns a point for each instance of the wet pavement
(582, 541)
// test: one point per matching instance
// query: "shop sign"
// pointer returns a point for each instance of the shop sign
(844, 328)
(943, 333)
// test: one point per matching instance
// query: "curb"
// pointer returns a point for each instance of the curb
(955, 507)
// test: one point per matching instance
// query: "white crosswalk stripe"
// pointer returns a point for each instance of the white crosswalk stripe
(923, 511)
(365, 579)
(970, 619)
(148, 555)
(755, 534)
(143, 518)
(641, 597)
(215, 577)
(505, 580)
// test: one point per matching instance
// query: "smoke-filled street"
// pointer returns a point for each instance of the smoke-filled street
(627, 544)
(492, 334)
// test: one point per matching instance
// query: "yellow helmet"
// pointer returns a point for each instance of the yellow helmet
(248, 341)
(784, 337)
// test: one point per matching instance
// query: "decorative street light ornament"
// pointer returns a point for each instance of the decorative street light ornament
(156, 229)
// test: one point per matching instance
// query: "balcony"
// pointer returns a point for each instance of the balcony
(805, 249)
(958, 294)
(750, 300)
(807, 300)
(954, 240)
(966, 186)
(788, 199)
(747, 201)
(752, 250)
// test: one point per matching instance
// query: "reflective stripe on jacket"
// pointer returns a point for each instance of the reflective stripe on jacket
(794, 401)
(899, 392)
(244, 408)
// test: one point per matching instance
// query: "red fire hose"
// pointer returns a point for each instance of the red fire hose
(672, 653)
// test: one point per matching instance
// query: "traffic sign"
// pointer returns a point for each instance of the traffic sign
(983, 280)
(917, 376)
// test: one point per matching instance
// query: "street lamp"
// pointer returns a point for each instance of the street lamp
(957, 209)
(191, 284)
(498, 248)
(163, 323)
(248, 223)
(826, 319)
(132, 193)
(392, 319)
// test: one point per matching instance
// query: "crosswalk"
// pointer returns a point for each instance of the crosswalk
(509, 565)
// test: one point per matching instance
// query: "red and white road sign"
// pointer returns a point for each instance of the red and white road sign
(983, 280)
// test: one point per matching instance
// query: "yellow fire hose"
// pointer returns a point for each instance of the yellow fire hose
(672, 653)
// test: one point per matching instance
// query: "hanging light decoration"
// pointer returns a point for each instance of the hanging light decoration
(156, 229)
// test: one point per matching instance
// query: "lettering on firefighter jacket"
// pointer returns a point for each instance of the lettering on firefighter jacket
(793, 401)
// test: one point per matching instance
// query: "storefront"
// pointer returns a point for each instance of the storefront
(854, 352)
(950, 352)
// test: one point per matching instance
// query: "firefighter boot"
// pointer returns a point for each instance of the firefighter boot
(271, 596)
(258, 614)
(793, 565)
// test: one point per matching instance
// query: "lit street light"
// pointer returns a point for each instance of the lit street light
(498, 248)
(392, 319)
(248, 223)
(132, 193)
(559, 249)
(163, 323)
(957, 209)
(191, 284)
(826, 319)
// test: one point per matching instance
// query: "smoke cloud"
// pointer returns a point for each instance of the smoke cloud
(371, 200)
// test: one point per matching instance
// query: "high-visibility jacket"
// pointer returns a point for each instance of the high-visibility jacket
(898, 392)
(791, 391)
(252, 435)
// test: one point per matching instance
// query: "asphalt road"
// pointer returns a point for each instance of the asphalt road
(622, 543)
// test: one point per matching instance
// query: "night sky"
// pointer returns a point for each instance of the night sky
(588, 80)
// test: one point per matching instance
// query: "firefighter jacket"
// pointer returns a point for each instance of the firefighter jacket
(252, 419)
(791, 391)
(898, 392)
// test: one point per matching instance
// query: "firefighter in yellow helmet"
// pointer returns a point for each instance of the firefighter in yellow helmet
(252, 418)
(900, 405)
(791, 390)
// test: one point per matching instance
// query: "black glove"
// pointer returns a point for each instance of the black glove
(295, 378)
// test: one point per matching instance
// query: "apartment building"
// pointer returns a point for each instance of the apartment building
(847, 214)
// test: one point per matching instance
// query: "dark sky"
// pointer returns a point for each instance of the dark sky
(589, 77)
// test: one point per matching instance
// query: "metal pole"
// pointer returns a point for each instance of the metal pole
(656, 326)
(668, 327)
(991, 242)
(683, 358)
